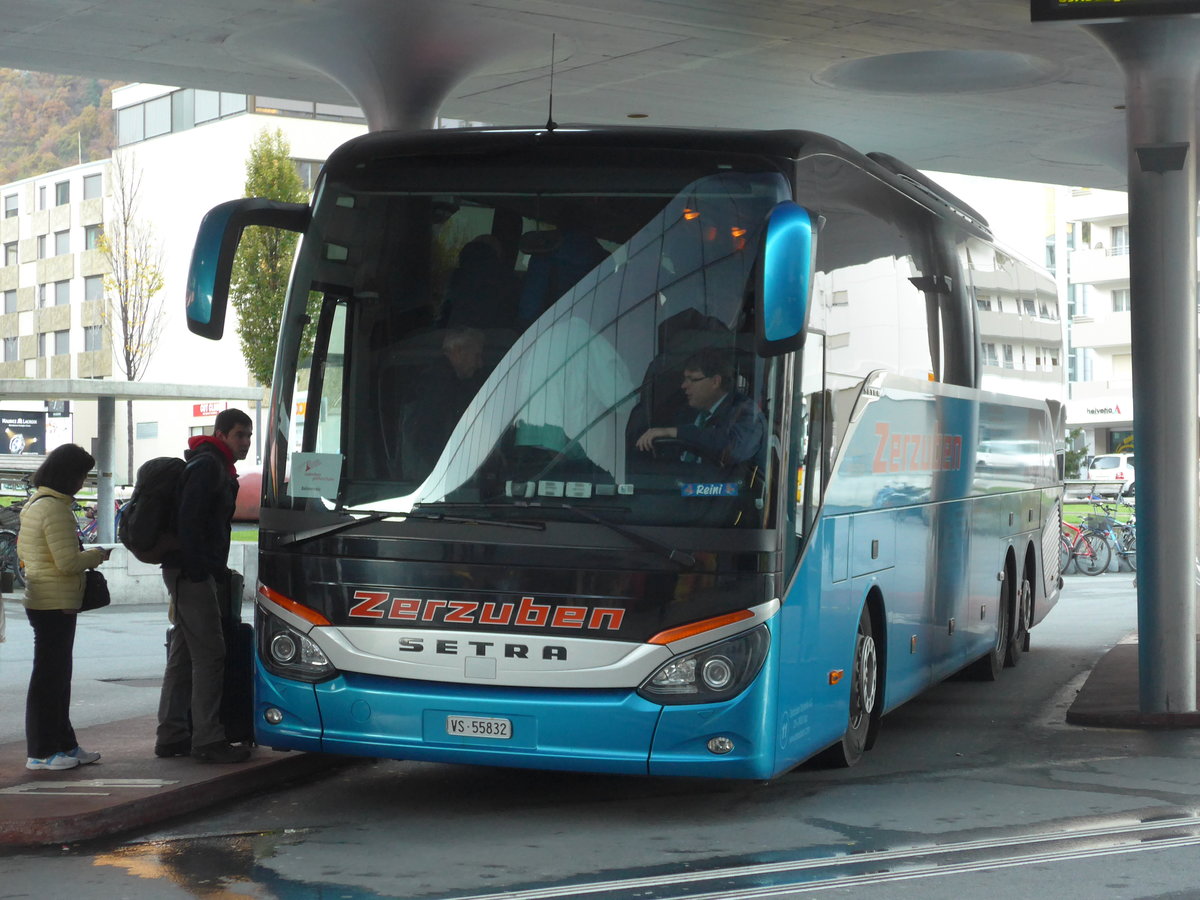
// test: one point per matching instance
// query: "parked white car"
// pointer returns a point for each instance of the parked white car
(1112, 467)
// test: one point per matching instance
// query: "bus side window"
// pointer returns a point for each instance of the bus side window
(809, 443)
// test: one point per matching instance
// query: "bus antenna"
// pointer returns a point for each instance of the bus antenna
(550, 123)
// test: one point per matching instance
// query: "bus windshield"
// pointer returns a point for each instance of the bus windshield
(549, 332)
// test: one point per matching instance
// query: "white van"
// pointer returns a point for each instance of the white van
(1112, 467)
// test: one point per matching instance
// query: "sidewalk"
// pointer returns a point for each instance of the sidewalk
(1109, 697)
(129, 788)
(119, 658)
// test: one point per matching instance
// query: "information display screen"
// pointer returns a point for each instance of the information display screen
(1108, 10)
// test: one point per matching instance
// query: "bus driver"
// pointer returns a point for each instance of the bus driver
(722, 425)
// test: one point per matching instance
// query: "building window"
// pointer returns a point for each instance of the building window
(1008, 356)
(146, 431)
(130, 127)
(62, 243)
(308, 170)
(42, 197)
(10, 301)
(10, 206)
(1081, 364)
(62, 293)
(1120, 300)
(1120, 240)
(10, 253)
(41, 246)
(984, 303)
(91, 236)
(10, 349)
(93, 287)
(41, 297)
(158, 116)
(989, 355)
(93, 185)
(232, 103)
(62, 193)
(41, 344)
(62, 343)
(1028, 308)
(93, 337)
(208, 106)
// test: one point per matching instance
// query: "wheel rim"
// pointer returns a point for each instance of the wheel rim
(866, 680)
(1024, 606)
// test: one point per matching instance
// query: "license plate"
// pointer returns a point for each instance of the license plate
(472, 726)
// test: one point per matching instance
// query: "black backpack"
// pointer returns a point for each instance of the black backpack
(148, 526)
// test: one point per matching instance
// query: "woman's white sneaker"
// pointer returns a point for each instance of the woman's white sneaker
(56, 763)
(84, 756)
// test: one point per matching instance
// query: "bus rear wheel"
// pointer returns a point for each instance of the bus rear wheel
(862, 723)
(1022, 609)
(989, 666)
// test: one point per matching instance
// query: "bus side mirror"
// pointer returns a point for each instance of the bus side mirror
(212, 257)
(784, 279)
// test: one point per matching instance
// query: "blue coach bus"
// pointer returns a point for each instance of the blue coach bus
(640, 451)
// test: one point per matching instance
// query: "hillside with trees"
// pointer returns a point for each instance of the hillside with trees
(50, 121)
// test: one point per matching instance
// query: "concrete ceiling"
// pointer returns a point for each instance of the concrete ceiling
(966, 86)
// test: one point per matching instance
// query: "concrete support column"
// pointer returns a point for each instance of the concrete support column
(105, 454)
(1161, 61)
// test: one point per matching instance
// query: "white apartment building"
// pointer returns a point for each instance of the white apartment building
(1101, 362)
(188, 148)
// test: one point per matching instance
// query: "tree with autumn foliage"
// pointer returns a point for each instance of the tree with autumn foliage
(259, 280)
(51, 121)
(132, 307)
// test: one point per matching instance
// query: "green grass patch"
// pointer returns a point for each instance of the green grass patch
(1074, 512)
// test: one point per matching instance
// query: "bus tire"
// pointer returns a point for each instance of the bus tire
(862, 723)
(989, 666)
(1022, 615)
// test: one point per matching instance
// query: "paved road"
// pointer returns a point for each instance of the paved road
(973, 790)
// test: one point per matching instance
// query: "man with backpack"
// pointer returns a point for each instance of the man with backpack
(194, 573)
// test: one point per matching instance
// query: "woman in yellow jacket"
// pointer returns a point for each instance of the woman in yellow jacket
(48, 546)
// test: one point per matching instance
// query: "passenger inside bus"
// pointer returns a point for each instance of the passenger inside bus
(443, 392)
(482, 290)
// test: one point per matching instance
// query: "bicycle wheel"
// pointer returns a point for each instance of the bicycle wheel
(1064, 554)
(1129, 547)
(1092, 553)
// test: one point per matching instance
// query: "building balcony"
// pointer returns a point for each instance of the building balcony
(1109, 331)
(1099, 265)
(1097, 390)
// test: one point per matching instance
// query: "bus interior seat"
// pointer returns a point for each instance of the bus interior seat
(558, 259)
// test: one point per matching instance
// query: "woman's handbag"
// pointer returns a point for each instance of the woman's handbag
(95, 593)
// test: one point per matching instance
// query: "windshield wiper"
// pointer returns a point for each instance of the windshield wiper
(672, 553)
(311, 534)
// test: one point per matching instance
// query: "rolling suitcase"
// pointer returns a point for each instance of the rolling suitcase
(237, 696)
(237, 701)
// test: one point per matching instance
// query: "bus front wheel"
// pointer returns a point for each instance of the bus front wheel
(861, 724)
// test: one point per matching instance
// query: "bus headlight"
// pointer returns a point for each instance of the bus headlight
(288, 653)
(710, 674)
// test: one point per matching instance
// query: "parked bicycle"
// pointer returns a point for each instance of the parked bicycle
(1088, 549)
(9, 561)
(89, 528)
(1119, 535)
